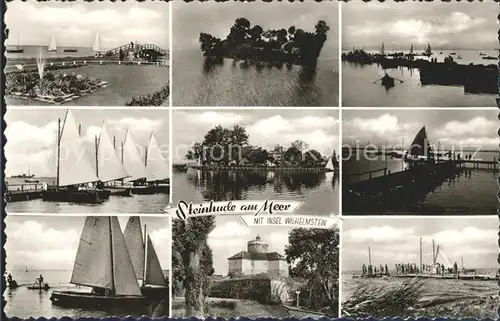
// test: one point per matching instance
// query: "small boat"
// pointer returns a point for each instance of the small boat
(420, 148)
(73, 49)
(31, 181)
(329, 166)
(37, 286)
(74, 172)
(145, 261)
(387, 81)
(482, 54)
(103, 263)
(453, 53)
(52, 46)
(17, 50)
(428, 51)
(490, 58)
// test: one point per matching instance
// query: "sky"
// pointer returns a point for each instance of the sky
(216, 19)
(51, 242)
(31, 134)
(397, 240)
(76, 23)
(467, 128)
(451, 25)
(266, 128)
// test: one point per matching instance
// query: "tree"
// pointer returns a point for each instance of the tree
(313, 255)
(300, 145)
(255, 32)
(313, 157)
(321, 27)
(291, 30)
(293, 155)
(222, 145)
(192, 261)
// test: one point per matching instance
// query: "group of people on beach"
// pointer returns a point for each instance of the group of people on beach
(373, 270)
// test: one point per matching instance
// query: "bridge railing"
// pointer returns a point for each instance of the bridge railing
(137, 48)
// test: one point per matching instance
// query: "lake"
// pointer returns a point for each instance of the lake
(470, 191)
(24, 303)
(439, 292)
(232, 84)
(319, 191)
(143, 204)
(358, 89)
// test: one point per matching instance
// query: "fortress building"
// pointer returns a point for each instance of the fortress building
(257, 260)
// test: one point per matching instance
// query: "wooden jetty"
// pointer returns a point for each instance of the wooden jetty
(23, 192)
(446, 276)
(263, 168)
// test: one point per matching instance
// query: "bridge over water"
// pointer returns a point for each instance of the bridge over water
(140, 50)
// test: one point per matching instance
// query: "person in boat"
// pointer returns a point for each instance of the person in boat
(40, 280)
(9, 278)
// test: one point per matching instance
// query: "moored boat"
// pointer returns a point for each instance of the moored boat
(17, 49)
(103, 263)
(329, 166)
(145, 261)
(420, 149)
(387, 81)
(75, 177)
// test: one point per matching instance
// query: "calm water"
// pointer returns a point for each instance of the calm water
(358, 89)
(34, 52)
(319, 191)
(231, 84)
(144, 204)
(434, 289)
(472, 191)
(124, 82)
(24, 303)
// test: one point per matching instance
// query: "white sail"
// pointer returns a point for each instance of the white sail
(329, 165)
(52, 46)
(428, 50)
(442, 259)
(74, 164)
(135, 245)
(132, 160)
(109, 167)
(123, 272)
(154, 274)
(93, 258)
(96, 46)
(156, 164)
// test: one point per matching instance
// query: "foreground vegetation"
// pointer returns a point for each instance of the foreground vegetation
(157, 98)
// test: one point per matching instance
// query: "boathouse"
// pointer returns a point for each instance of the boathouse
(258, 260)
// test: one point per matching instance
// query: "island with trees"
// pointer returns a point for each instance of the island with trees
(229, 148)
(312, 255)
(253, 44)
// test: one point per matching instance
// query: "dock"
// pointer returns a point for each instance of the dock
(264, 168)
(23, 192)
(446, 276)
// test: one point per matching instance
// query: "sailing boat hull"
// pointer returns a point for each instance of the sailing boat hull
(15, 50)
(89, 300)
(155, 292)
(151, 189)
(70, 50)
(120, 191)
(84, 196)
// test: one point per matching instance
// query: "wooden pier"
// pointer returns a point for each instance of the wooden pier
(446, 276)
(263, 168)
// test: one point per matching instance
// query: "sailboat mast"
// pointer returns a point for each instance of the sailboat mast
(433, 253)
(111, 257)
(420, 254)
(96, 157)
(58, 150)
(145, 255)
(369, 257)
(146, 156)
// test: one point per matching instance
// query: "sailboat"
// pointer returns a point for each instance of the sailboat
(30, 175)
(96, 46)
(428, 51)
(73, 169)
(103, 263)
(420, 148)
(17, 50)
(329, 166)
(157, 171)
(73, 49)
(132, 161)
(52, 46)
(109, 168)
(146, 265)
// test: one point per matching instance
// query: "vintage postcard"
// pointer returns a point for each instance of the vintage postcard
(87, 53)
(255, 53)
(94, 266)
(87, 161)
(234, 269)
(420, 267)
(414, 54)
(420, 162)
(279, 154)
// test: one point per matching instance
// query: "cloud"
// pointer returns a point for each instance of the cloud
(229, 230)
(213, 118)
(137, 125)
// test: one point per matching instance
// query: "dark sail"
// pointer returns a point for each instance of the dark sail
(420, 145)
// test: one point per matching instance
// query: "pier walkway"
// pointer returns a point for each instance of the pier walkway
(23, 192)
(446, 276)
